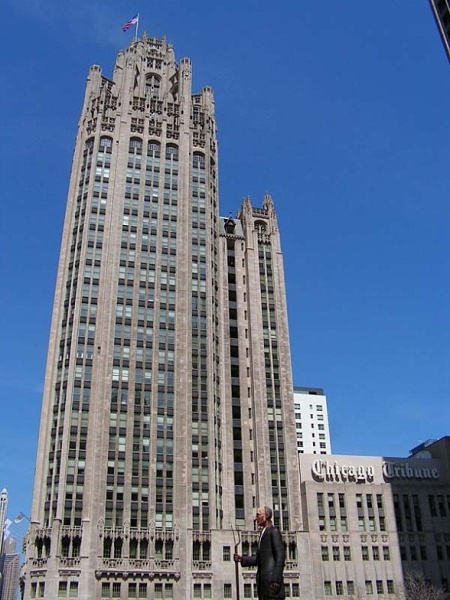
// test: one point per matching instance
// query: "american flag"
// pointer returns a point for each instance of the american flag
(131, 22)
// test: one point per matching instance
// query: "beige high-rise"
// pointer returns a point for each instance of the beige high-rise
(167, 414)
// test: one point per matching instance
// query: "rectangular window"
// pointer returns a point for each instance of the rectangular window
(226, 553)
(247, 590)
(336, 553)
(116, 590)
(390, 586)
(325, 554)
(327, 588)
(369, 588)
(339, 588)
(347, 553)
(62, 589)
(197, 590)
(380, 587)
(105, 590)
(296, 590)
(350, 588)
(132, 590)
(432, 505)
(365, 552)
(386, 553)
(227, 590)
(375, 553)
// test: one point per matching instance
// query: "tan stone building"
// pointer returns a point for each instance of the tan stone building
(167, 412)
(371, 520)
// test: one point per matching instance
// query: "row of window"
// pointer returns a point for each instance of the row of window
(335, 553)
(160, 590)
(415, 553)
(340, 588)
(204, 590)
(370, 525)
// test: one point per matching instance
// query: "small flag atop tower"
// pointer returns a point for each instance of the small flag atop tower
(133, 21)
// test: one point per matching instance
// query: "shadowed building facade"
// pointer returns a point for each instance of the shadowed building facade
(441, 12)
(167, 412)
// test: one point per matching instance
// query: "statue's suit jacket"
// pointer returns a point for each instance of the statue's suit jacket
(269, 559)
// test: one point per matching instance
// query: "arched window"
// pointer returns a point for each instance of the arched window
(153, 85)
(260, 226)
(154, 149)
(105, 144)
(171, 152)
(135, 146)
(90, 143)
(198, 160)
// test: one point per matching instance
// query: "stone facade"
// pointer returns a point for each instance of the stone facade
(371, 520)
(167, 412)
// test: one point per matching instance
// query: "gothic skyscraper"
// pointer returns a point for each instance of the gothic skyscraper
(167, 412)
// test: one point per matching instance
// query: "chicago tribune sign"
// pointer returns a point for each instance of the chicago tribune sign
(323, 470)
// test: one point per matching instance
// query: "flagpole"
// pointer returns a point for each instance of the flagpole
(237, 541)
(137, 24)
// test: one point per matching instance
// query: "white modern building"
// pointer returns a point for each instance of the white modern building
(311, 421)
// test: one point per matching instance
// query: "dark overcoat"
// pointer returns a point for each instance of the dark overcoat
(269, 559)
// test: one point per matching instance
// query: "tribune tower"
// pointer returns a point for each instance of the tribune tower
(167, 413)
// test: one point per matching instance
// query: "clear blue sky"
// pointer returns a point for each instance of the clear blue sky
(338, 109)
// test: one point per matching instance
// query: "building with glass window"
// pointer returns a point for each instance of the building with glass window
(168, 407)
(10, 569)
(373, 520)
(441, 12)
(311, 421)
(167, 413)
(3, 512)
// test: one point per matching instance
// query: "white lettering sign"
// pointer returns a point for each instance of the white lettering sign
(406, 471)
(323, 470)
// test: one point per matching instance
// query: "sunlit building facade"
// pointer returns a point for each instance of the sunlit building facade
(375, 521)
(311, 421)
(10, 569)
(167, 412)
(3, 512)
